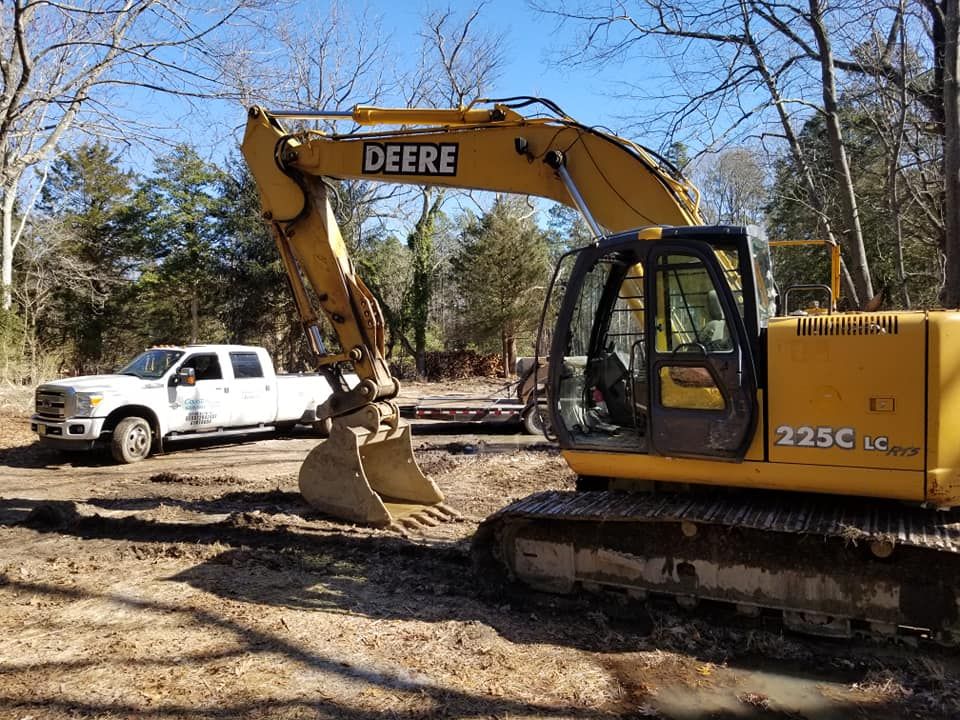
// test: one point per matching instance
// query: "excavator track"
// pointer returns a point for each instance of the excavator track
(831, 566)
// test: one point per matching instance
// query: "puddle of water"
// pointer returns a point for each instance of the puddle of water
(772, 695)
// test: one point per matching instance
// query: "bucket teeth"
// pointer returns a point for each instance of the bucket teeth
(425, 518)
(417, 521)
(435, 515)
(448, 512)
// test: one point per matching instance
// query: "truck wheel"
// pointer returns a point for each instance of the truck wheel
(131, 440)
(532, 423)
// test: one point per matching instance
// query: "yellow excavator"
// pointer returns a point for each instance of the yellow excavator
(685, 405)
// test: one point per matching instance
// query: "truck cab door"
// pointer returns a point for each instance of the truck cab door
(254, 397)
(205, 405)
(702, 380)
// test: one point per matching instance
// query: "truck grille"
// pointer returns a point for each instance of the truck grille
(51, 403)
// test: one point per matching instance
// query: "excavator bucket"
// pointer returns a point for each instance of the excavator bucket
(371, 477)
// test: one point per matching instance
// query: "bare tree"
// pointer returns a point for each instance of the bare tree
(458, 64)
(912, 178)
(63, 65)
(328, 58)
(856, 250)
(742, 65)
(734, 186)
(337, 58)
(46, 267)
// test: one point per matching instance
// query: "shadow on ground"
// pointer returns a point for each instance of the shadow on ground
(275, 559)
(36, 456)
(436, 699)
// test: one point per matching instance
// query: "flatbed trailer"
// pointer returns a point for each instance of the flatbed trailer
(515, 402)
(465, 409)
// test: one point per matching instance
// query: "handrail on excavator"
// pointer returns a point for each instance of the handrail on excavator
(834, 261)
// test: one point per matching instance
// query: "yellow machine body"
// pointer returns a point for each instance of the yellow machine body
(862, 404)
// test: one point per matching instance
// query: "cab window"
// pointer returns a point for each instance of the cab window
(602, 393)
(690, 314)
(246, 365)
(205, 366)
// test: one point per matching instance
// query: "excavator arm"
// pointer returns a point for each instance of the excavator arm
(615, 184)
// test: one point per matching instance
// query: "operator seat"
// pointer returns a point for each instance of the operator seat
(716, 333)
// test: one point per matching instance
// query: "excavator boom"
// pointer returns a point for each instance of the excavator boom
(624, 185)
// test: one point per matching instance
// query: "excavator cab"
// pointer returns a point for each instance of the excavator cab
(657, 343)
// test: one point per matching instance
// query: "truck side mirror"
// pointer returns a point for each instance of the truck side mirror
(187, 376)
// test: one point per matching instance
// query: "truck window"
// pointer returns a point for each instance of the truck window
(151, 364)
(206, 367)
(246, 365)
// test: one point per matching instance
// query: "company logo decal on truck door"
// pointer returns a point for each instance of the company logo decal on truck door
(405, 158)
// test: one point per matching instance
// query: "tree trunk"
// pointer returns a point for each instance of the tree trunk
(508, 351)
(796, 150)
(950, 296)
(503, 351)
(194, 316)
(35, 378)
(856, 250)
(421, 245)
(893, 201)
(848, 289)
(6, 252)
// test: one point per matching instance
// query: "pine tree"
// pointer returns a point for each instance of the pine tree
(91, 196)
(184, 289)
(502, 271)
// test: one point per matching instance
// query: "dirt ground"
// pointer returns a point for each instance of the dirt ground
(198, 585)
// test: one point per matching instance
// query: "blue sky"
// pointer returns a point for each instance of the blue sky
(530, 38)
(527, 69)
(532, 41)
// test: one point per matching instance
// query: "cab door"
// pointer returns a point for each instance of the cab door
(254, 397)
(702, 379)
(205, 405)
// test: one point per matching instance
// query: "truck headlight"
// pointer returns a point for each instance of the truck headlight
(87, 403)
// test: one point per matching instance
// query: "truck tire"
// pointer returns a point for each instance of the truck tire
(131, 441)
(532, 423)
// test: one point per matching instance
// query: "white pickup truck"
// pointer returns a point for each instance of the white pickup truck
(174, 393)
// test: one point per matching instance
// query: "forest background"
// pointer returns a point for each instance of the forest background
(121, 229)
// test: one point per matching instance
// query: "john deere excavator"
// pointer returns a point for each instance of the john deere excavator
(683, 403)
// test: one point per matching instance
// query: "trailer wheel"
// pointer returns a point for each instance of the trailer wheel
(131, 440)
(532, 422)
